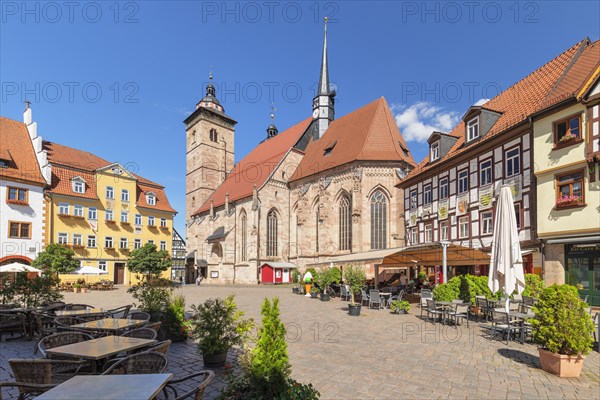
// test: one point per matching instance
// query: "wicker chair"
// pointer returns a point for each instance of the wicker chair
(120, 312)
(28, 387)
(73, 307)
(146, 362)
(61, 339)
(141, 333)
(155, 326)
(161, 347)
(68, 321)
(42, 371)
(197, 391)
(12, 323)
(138, 315)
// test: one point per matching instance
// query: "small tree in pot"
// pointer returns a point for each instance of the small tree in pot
(325, 277)
(218, 325)
(355, 278)
(563, 328)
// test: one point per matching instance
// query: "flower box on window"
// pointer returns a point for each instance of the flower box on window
(569, 201)
(77, 217)
(78, 246)
(111, 221)
(125, 223)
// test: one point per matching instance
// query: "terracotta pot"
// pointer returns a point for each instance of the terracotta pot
(561, 364)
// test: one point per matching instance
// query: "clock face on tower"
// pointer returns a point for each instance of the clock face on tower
(315, 113)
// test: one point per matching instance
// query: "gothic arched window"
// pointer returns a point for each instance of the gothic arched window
(378, 221)
(272, 233)
(345, 224)
(244, 226)
(214, 136)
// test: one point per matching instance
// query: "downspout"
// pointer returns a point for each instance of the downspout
(533, 194)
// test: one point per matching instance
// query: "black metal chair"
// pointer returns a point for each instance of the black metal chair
(458, 311)
(434, 310)
(501, 322)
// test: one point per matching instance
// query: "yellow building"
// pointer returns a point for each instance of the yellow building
(103, 212)
(566, 155)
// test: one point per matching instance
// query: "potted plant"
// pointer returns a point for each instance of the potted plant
(314, 292)
(355, 278)
(84, 288)
(400, 306)
(173, 325)
(76, 287)
(325, 277)
(562, 328)
(218, 325)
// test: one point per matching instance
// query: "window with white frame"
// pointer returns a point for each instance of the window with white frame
(163, 222)
(428, 233)
(150, 220)
(124, 195)
(78, 210)
(63, 238)
(487, 223)
(110, 192)
(427, 194)
(473, 129)
(512, 162)
(137, 244)
(138, 219)
(414, 235)
(463, 227)
(444, 230)
(78, 186)
(163, 245)
(125, 216)
(435, 151)
(463, 181)
(77, 240)
(63, 208)
(108, 215)
(485, 173)
(151, 199)
(413, 199)
(91, 241)
(102, 265)
(108, 242)
(92, 213)
(444, 188)
(123, 243)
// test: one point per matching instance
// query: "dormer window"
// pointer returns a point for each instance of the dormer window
(78, 185)
(435, 151)
(473, 129)
(329, 149)
(151, 199)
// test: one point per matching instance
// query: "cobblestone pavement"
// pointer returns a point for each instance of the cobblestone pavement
(378, 355)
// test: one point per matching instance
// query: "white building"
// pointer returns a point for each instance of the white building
(24, 173)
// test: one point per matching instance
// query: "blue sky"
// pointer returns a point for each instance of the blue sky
(117, 79)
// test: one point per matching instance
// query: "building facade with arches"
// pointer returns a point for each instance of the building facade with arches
(321, 188)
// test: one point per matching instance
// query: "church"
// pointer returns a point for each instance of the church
(320, 192)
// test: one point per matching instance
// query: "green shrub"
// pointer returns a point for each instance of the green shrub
(398, 305)
(422, 277)
(174, 315)
(534, 286)
(324, 278)
(295, 276)
(355, 278)
(336, 275)
(447, 291)
(561, 324)
(152, 294)
(218, 325)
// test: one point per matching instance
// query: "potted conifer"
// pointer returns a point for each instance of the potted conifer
(563, 328)
(355, 278)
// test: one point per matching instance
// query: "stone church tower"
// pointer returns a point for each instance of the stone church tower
(209, 149)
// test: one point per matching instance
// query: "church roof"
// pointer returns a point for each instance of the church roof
(18, 153)
(256, 167)
(549, 85)
(367, 134)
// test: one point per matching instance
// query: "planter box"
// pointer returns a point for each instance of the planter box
(560, 364)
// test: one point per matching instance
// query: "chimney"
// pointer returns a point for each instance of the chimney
(27, 113)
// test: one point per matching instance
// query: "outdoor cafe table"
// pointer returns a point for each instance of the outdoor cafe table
(98, 349)
(110, 324)
(109, 387)
(79, 313)
(386, 296)
(521, 317)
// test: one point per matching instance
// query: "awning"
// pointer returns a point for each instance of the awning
(191, 255)
(373, 255)
(432, 254)
(582, 239)
(279, 265)
(218, 235)
(201, 262)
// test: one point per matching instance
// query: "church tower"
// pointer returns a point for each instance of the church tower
(323, 103)
(209, 149)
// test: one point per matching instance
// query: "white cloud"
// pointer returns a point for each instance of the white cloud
(417, 121)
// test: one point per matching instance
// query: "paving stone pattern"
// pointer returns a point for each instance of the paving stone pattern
(378, 355)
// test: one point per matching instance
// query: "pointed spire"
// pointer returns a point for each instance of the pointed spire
(210, 99)
(324, 76)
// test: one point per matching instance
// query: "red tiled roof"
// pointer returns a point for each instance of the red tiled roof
(256, 167)
(526, 97)
(16, 146)
(68, 163)
(369, 133)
